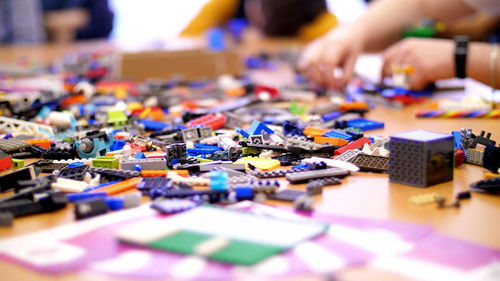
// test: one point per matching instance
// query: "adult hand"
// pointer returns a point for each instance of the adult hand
(337, 49)
(432, 59)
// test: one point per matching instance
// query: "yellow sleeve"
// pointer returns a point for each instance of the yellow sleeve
(214, 13)
(321, 25)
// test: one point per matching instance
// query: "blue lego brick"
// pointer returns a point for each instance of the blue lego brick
(75, 164)
(244, 193)
(114, 203)
(364, 124)
(140, 155)
(200, 151)
(117, 145)
(338, 134)
(73, 197)
(330, 116)
(99, 186)
(151, 125)
(458, 139)
(257, 127)
(218, 180)
(206, 146)
(181, 127)
(242, 132)
(301, 166)
(291, 129)
(216, 39)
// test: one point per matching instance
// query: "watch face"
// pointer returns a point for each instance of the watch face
(461, 51)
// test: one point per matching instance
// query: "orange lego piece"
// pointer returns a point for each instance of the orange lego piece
(191, 105)
(119, 187)
(157, 114)
(353, 105)
(72, 100)
(44, 143)
(314, 132)
(163, 173)
(330, 141)
(235, 92)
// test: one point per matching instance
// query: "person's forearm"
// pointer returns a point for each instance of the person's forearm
(383, 23)
(478, 64)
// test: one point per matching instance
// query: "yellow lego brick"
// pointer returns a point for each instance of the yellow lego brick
(425, 198)
(263, 164)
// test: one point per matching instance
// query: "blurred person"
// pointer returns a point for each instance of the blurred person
(21, 21)
(479, 26)
(306, 19)
(68, 20)
(382, 25)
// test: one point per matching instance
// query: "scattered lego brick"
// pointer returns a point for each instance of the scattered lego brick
(10, 146)
(371, 163)
(352, 145)
(263, 164)
(288, 195)
(427, 198)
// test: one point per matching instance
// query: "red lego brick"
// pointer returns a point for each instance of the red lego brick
(5, 161)
(353, 145)
(214, 121)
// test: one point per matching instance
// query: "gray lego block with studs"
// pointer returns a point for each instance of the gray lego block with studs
(316, 174)
(12, 145)
(146, 164)
(349, 155)
(421, 158)
(302, 142)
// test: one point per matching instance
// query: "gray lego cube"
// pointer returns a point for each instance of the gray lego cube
(421, 158)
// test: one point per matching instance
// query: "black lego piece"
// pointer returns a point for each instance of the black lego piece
(74, 173)
(90, 207)
(174, 151)
(24, 155)
(491, 158)
(288, 159)
(355, 134)
(288, 195)
(48, 166)
(488, 186)
(21, 207)
(371, 163)
(340, 124)
(463, 195)
(9, 181)
(114, 174)
(6, 219)
(37, 150)
(481, 139)
(60, 152)
(27, 188)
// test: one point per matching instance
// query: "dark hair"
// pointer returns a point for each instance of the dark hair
(285, 17)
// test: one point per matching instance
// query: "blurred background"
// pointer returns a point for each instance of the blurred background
(149, 21)
(131, 21)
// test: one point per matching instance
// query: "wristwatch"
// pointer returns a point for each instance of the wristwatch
(461, 45)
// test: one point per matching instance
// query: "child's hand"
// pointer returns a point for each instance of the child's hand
(337, 49)
(432, 59)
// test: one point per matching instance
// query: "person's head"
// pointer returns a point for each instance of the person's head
(282, 17)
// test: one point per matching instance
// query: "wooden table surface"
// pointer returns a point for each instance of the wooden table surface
(367, 195)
